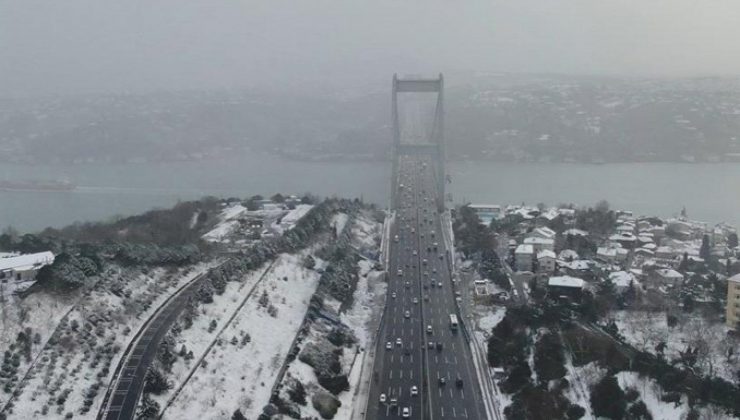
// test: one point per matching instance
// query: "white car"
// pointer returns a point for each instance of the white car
(382, 398)
(439, 284)
(399, 342)
(416, 300)
(406, 413)
(414, 391)
(400, 273)
(393, 295)
(407, 314)
(388, 345)
(429, 329)
(415, 253)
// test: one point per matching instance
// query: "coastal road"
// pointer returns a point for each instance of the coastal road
(421, 348)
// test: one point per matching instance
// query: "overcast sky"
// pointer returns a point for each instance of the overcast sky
(69, 46)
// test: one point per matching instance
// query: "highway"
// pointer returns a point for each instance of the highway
(128, 380)
(417, 345)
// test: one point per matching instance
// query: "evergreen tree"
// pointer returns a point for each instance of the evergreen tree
(704, 251)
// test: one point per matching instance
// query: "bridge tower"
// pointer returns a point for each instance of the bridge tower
(435, 146)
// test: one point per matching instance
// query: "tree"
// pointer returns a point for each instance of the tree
(732, 241)
(704, 251)
(278, 198)
(155, 382)
(238, 415)
(607, 399)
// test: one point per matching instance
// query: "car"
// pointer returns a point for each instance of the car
(441, 256)
(426, 286)
(416, 300)
(394, 401)
(382, 398)
(429, 329)
(426, 274)
(424, 261)
(430, 345)
(414, 390)
(434, 270)
(395, 238)
(388, 345)
(433, 234)
(406, 413)
(415, 253)
(426, 298)
(398, 341)
(407, 350)
(407, 314)
(393, 295)
(442, 380)
(439, 345)
(407, 284)
(459, 382)
(400, 273)
(439, 284)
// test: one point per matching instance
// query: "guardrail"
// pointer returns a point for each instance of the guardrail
(125, 355)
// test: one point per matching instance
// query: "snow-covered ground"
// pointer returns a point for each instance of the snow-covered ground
(645, 330)
(216, 390)
(227, 223)
(361, 318)
(87, 354)
(490, 318)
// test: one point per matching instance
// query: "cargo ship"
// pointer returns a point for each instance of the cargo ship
(37, 185)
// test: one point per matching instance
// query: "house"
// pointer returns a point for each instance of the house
(662, 277)
(568, 255)
(565, 288)
(540, 244)
(611, 254)
(622, 280)
(23, 267)
(625, 239)
(577, 268)
(524, 255)
(546, 261)
(543, 232)
(733, 302)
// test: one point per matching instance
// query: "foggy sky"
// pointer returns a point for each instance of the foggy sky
(73, 46)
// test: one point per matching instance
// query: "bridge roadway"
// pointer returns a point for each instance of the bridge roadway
(413, 362)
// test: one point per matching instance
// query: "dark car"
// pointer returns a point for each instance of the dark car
(407, 351)
(439, 345)
(459, 382)
(442, 380)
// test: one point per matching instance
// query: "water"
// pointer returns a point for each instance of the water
(710, 192)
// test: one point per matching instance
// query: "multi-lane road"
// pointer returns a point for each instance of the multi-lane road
(423, 368)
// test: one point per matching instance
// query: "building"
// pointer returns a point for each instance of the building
(546, 261)
(540, 244)
(543, 232)
(733, 302)
(565, 287)
(486, 212)
(663, 277)
(524, 255)
(23, 267)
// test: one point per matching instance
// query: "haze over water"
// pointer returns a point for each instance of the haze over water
(708, 191)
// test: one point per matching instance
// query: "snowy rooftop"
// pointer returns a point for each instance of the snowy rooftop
(26, 261)
(735, 278)
(546, 254)
(576, 232)
(565, 281)
(538, 241)
(621, 278)
(669, 273)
